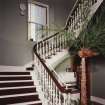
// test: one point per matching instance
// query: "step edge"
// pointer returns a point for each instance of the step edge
(12, 81)
(18, 95)
(15, 75)
(27, 103)
(18, 87)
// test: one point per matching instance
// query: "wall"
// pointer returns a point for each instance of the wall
(15, 49)
(98, 62)
(62, 9)
(98, 76)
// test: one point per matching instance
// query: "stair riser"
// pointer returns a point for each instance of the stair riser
(14, 73)
(15, 84)
(17, 91)
(36, 104)
(12, 100)
(14, 78)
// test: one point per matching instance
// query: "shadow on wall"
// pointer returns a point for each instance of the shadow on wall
(98, 76)
(97, 63)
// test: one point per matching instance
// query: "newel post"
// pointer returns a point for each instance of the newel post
(85, 82)
(85, 54)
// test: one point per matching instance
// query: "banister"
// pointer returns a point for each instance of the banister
(50, 36)
(50, 45)
(60, 87)
(71, 12)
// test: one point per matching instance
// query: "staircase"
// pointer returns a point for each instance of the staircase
(17, 88)
(54, 90)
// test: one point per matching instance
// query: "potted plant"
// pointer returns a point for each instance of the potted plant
(91, 40)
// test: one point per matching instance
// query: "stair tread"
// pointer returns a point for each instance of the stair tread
(18, 87)
(27, 103)
(12, 81)
(17, 95)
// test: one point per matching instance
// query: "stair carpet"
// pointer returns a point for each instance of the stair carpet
(17, 88)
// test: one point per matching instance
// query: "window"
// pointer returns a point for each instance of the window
(37, 21)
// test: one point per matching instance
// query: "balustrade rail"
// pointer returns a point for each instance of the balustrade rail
(55, 92)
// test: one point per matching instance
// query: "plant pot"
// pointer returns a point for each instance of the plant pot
(85, 52)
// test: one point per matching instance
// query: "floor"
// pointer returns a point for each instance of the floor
(93, 103)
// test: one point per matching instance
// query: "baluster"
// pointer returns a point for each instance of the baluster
(49, 45)
(78, 17)
(50, 42)
(75, 21)
(63, 40)
(69, 99)
(59, 42)
(53, 46)
(56, 95)
(43, 49)
(79, 11)
(51, 92)
(49, 88)
(56, 42)
(42, 79)
(59, 98)
(64, 96)
(45, 84)
(49, 101)
(47, 49)
(66, 38)
(39, 51)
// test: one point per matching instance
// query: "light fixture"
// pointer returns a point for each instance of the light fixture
(22, 7)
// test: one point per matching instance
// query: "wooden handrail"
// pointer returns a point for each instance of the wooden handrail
(60, 87)
(49, 37)
(71, 12)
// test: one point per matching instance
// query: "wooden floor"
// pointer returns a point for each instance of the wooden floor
(93, 103)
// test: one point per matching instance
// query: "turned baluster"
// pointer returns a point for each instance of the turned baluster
(56, 43)
(60, 42)
(75, 20)
(56, 95)
(59, 98)
(47, 49)
(64, 38)
(78, 17)
(53, 45)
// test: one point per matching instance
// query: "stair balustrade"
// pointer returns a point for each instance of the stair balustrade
(55, 91)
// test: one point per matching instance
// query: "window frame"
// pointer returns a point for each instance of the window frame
(30, 38)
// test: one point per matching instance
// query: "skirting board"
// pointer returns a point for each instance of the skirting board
(98, 100)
